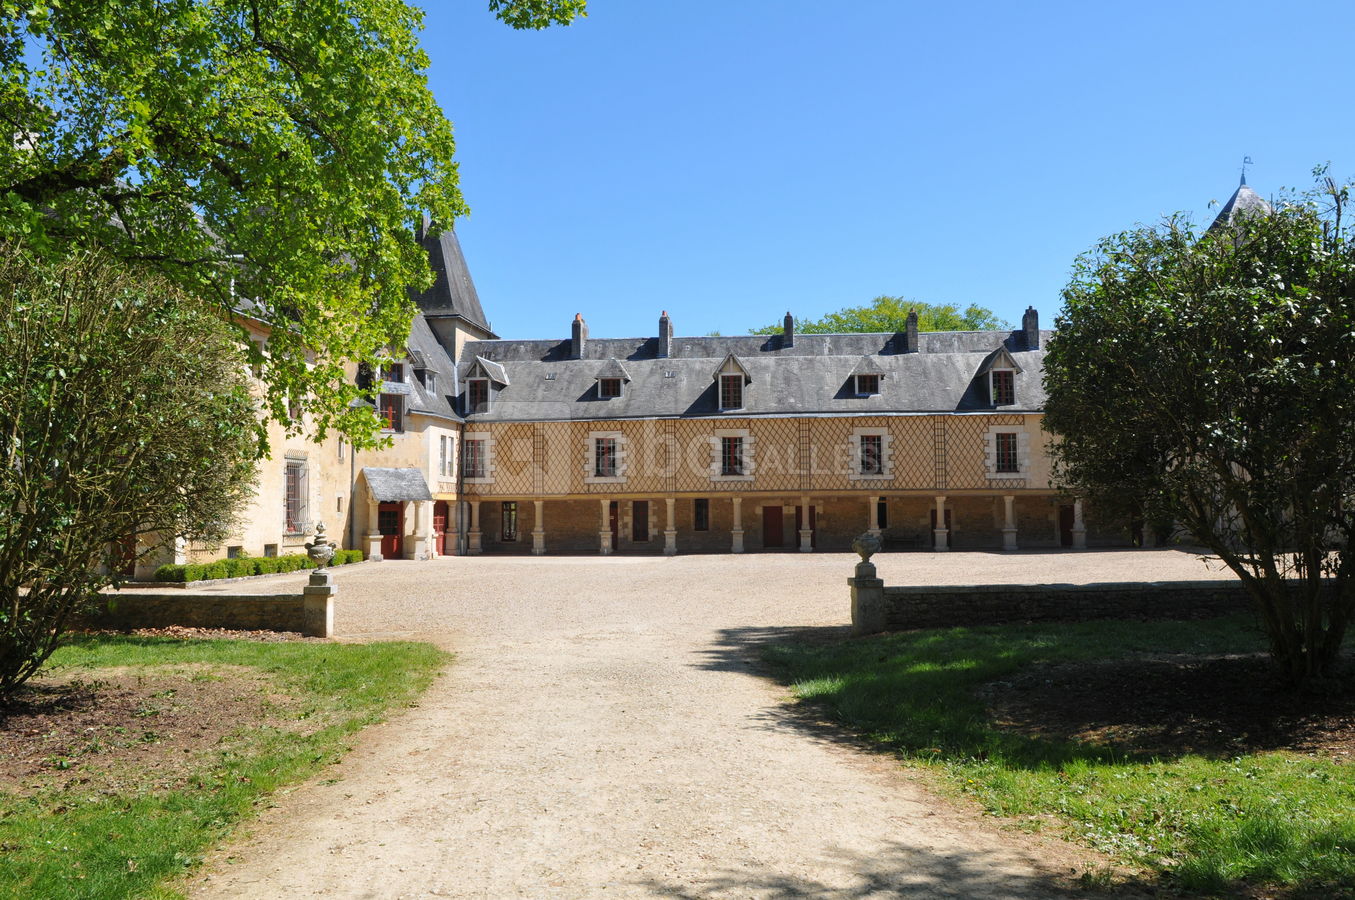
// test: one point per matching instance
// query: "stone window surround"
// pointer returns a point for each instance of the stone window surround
(886, 462)
(1022, 451)
(488, 444)
(749, 465)
(588, 463)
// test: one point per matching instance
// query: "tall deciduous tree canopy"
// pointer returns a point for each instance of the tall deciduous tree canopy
(126, 413)
(885, 314)
(1210, 381)
(272, 155)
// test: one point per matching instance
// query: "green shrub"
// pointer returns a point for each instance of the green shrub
(355, 556)
(265, 565)
(238, 568)
(194, 572)
(170, 572)
(216, 569)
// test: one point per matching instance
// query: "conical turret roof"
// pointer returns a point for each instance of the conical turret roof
(1244, 202)
(453, 292)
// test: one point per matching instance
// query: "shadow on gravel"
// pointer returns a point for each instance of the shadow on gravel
(896, 870)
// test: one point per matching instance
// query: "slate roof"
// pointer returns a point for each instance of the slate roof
(453, 293)
(389, 485)
(423, 347)
(814, 377)
(1244, 201)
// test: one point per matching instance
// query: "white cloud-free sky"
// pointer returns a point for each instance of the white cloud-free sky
(729, 161)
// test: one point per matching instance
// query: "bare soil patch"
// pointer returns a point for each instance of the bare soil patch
(1218, 706)
(111, 729)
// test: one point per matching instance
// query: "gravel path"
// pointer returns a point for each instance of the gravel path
(603, 732)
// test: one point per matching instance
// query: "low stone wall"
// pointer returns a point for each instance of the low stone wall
(993, 604)
(312, 615)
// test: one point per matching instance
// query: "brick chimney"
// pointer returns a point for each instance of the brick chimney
(1030, 324)
(910, 332)
(788, 331)
(665, 336)
(578, 337)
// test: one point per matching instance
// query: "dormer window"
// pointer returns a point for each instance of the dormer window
(611, 379)
(1003, 387)
(609, 388)
(731, 391)
(393, 372)
(391, 409)
(477, 395)
(866, 385)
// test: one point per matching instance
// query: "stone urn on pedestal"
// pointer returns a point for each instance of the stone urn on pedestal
(318, 596)
(321, 550)
(869, 613)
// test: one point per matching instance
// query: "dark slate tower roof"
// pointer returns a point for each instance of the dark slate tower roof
(1244, 202)
(453, 293)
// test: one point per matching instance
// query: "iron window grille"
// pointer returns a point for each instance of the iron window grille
(297, 490)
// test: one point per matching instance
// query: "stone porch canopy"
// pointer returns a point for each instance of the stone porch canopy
(396, 485)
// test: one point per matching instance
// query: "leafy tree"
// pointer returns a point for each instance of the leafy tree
(272, 155)
(886, 314)
(1210, 381)
(127, 412)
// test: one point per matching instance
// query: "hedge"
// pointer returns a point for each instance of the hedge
(248, 565)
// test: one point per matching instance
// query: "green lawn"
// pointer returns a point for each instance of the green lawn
(66, 840)
(1204, 824)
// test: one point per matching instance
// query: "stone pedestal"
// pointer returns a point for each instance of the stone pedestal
(868, 600)
(318, 605)
(374, 546)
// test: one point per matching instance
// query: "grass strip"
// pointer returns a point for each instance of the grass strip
(72, 843)
(1208, 824)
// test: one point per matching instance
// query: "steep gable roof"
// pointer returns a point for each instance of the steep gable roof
(453, 293)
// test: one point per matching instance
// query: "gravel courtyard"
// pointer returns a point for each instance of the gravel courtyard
(604, 732)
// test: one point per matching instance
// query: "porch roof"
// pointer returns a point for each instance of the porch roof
(389, 485)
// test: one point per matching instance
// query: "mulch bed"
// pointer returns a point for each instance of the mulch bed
(124, 729)
(1220, 706)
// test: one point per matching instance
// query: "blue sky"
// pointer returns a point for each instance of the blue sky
(729, 161)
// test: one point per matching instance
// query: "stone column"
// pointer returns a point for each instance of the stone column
(806, 533)
(373, 530)
(1079, 527)
(941, 532)
(473, 547)
(605, 529)
(869, 612)
(736, 532)
(670, 533)
(873, 515)
(1009, 528)
(423, 529)
(538, 528)
(317, 605)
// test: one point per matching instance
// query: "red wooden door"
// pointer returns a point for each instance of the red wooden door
(390, 521)
(440, 528)
(773, 533)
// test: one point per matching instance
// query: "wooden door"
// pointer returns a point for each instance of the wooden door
(639, 517)
(773, 528)
(813, 525)
(1066, 525)
(950, 533)
(440, 510)
(390, 521)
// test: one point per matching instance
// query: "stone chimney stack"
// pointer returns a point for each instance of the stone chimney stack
(1030, 324)
(578, 338)
(788, 331)
(665, 336)
(910, 332)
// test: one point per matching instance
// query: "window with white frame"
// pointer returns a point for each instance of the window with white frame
(606, 458)
(445, 448)
(477, 458)
(1002, 387)
(867, 385)
(1007, 454)
(477, 395)
(609, 388)
(732, 455)
(731, 391)
(870, 453)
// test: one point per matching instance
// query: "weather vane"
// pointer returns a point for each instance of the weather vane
(1246, 161)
